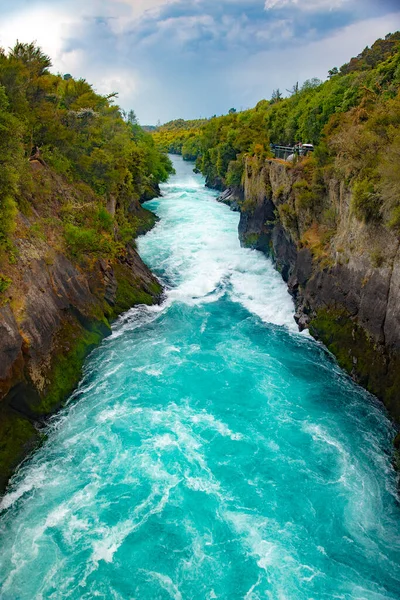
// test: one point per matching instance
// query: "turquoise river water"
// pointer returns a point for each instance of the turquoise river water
(211, 451)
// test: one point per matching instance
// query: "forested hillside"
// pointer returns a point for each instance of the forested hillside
(74, 169)
(82, 137)
(352, 118)
(329, 220)
(180, 137)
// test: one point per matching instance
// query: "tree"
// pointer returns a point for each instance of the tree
(32, 57)
(132, 118)
(276, 96)
(232, 111)
(310, 84)
(82, 135)
(294, 90)
(333, 72)
(11, 152)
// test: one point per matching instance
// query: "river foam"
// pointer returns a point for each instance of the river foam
(199, 255)
(210, 450)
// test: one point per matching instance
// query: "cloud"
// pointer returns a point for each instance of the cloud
(34, 25)
(189, 58)
(309, 5)
(311, 60)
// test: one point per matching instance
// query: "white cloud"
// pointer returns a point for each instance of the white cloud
(121, 81)
(311, 5)
(51, 26)
(124, 13)
(281, 69)
(140, 6)
(198, 60)
(46, 26)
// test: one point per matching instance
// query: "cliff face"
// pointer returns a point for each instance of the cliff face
(343, 274)
(56, 310)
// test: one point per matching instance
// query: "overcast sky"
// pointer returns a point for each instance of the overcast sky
(192, 58)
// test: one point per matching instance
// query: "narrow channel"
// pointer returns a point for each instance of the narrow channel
(211, 451)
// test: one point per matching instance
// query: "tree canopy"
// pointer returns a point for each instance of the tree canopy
(352, 119)
(78, 134)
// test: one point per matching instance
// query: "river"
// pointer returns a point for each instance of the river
(210, 451)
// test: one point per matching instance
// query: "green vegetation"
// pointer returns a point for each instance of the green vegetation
(358, 355)
(17, 437)
(77, 343)
(365, 202)
(352, 119)
(74, 170)
(82, 240)
(5, 283)
(130, 291)
(62, 125)
(180, 137)
(287, 216)
(250, 240)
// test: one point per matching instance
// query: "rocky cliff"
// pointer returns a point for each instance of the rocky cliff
(57, 307)
(344, 274)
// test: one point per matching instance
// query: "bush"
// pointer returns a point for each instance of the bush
(57, 160)
(249, 205)
(82, 240)
(287, 215)
(235, 172)
(279, 192)
(395, 218)
(104, 220)
(8, 213)
(5, 283)
(377, 258)
(304, 195)
(366, 202)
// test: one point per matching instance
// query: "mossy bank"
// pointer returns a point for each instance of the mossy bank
(345, 296)
(59, 303)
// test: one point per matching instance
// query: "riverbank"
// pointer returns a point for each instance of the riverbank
(210, 448)
(59, 306)
(342, 273)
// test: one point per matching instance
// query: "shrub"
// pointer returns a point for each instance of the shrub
(304, 195)
(5, 283)
(104, 220)
(329, 217)
(57, 160)
(287, 215)
(366, 202)
(82, 240)
(377, 258)
(279, 192)
(8, 213)
(235, 172)
(36, 232)
(395, 218)
(249, 205)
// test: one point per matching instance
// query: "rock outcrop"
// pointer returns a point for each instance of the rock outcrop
(232, 197)
(343, 274)
(56, 310)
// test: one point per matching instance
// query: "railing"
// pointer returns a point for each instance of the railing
(285, 151)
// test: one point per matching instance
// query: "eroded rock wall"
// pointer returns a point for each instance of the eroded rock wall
(343, 274)
(55, 312)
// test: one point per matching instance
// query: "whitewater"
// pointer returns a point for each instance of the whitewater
(210, 450)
